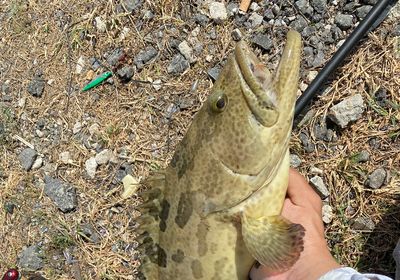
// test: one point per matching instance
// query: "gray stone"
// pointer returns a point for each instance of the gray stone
(308, 146)
(236, 34)
(295, 160)
(318, 183)
(30, 258)
(319, 58)
(36, 86)
(308, 31)
(115, 56)
(91, 166)
(377, 178)
(213, 73)
(343, 21)
(89, 233)
(362, 11)
(126, 73)
(145, 56)
(218, 11)
(299, 24)
(327, 213)
(27, 157)
(37, 163)
(263, 41)
(349, 110)
(94, 63)
(304, 7)
(201, 19)
(319, 5)
(396, 30)
(132, 5)
(104, 157)
(362, 223)
(232, 8)
(321, 132)
(255, 20)
(268, 14)
(178, 64)
(61, 193)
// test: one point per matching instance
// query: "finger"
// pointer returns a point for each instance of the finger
(300, 192)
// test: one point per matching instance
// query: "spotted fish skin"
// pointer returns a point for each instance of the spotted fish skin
(232, 164)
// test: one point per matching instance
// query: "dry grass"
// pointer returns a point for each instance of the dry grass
(137, 119)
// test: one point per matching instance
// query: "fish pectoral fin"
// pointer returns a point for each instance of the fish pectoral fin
(273, 241)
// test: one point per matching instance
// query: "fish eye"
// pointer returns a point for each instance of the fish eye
(218, 102)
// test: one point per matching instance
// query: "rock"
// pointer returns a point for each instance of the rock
(308, 31)
(309, 147)
(304, 7)
(132, 5)
(343, 21)
(36, 86)
(94, 63)
(232, 8)
(201, 19)
(126, 73)
(362, 156)
(299, 24)
(376, 179)
(77, 127)
(100, 24)
(30, 258)
(327, 213)
(362, 11)
(104, 157)
(65, 157)
(319, 5)
(145, 56)
(90, 233)
(213, 34)
(186, 51)
(295, 160)
(263, 41)
(218, 11)
(319, 58)
(350, 109)
(124, 170)
(319, 186)
(236, 34)
(94, 129)
(61, 193)
(316, 170)
(115, 56)
(362, 223)
(157, 84)
(311, 76)
(396, 30)
(131, 185)
(254, 7)
(38, 163)
(178, 64)
(255, 20)
(91, 166)
(27, 157)
(213, 73)
(268, 14)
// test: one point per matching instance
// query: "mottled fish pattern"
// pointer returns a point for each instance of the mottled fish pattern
(216, 208)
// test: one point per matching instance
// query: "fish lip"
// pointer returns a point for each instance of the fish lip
(257, 85)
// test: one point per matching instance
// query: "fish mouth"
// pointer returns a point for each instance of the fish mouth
(257, 86)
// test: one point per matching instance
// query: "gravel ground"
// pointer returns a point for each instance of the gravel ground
(65, 152)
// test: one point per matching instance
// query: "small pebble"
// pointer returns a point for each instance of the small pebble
(327, 213)
(376, 179)
(91, 166)
(318, 183)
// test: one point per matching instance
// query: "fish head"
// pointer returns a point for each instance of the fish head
(249, 116)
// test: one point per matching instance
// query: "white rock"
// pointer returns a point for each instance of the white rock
(316, 170)
(79, 65)
(91, 166)
(131, 185)
(124, 33)
(327, 213)
(209, 58)
(186, 51)
(255, 19)
(319, 186)
(39, 133)
(100, 24)
(311, 76)
(77, 127)
(157, 84)
(104, 156)
(303, 86)
(350, 109)
(22, 102)
(218, 11)
(254, 7)
(37, 163)
(65, 157)
(94, 128)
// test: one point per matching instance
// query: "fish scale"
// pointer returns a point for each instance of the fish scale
(215, 209)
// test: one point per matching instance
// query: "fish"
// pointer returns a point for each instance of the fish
(215, 209)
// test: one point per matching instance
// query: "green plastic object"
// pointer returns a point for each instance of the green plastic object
(97, 81)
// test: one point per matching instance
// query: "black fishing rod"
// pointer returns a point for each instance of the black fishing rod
(375, 16)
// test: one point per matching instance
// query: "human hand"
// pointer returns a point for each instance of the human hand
(303, 206)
